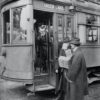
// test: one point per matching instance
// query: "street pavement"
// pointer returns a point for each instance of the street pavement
(17, 91)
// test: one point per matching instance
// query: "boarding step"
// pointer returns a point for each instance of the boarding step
(44, 87)
(41, 79)
(41, 88)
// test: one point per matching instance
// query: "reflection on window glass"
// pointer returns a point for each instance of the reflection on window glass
(6, 30)
(19, 34)
(60, 28)
(69, 26)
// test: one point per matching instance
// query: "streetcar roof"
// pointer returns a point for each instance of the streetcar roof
(4, 2)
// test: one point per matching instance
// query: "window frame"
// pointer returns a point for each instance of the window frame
(91, 28)
(13, 27)
(93, 25)
(4, 38)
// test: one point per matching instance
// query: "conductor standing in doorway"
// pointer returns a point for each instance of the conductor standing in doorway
(77, 74)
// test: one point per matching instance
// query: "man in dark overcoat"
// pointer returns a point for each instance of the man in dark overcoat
(77, 74)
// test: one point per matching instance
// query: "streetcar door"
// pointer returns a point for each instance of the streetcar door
(58, 38)
(63, 28)
(43, 65)
(60, 32)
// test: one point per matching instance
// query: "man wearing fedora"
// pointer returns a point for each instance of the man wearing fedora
(77, 73)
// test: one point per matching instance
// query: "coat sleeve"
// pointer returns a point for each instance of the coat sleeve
(74, 68)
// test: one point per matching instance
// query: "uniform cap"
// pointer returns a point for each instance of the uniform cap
(75, 41)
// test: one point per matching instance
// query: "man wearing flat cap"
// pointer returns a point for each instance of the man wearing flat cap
(77, 73)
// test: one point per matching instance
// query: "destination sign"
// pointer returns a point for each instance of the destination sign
(63, 0)
(66, 1)
(51, 6)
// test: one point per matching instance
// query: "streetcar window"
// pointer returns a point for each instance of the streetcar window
(69, 26)
(92, 34)
(19, 32)
(88, 29)
(92, 30)
(60, 28)
(6, 29)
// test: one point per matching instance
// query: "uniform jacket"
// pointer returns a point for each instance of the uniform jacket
(78, 75)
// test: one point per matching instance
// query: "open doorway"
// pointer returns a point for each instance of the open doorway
(43, 41)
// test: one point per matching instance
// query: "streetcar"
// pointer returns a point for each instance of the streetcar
(32, 31)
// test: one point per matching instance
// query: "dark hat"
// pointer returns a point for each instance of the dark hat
(75, 41)
(66, 40)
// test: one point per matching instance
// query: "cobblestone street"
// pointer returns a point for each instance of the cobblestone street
(16, 91)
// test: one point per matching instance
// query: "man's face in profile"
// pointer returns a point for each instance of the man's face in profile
(72, 46)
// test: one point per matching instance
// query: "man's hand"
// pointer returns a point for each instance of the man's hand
(56, 70)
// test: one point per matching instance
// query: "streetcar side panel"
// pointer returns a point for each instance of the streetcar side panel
(18, 62)
(92, 55)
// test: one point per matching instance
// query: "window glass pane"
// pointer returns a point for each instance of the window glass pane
(92, 28)
(60, 28)
(69, 26)
(6, 29)
(19, 33)
(92, 34)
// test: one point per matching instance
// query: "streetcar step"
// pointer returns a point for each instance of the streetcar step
(40, 88)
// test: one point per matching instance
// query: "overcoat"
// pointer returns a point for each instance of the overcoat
(77, 73)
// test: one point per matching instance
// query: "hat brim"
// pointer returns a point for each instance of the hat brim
(75, 43)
